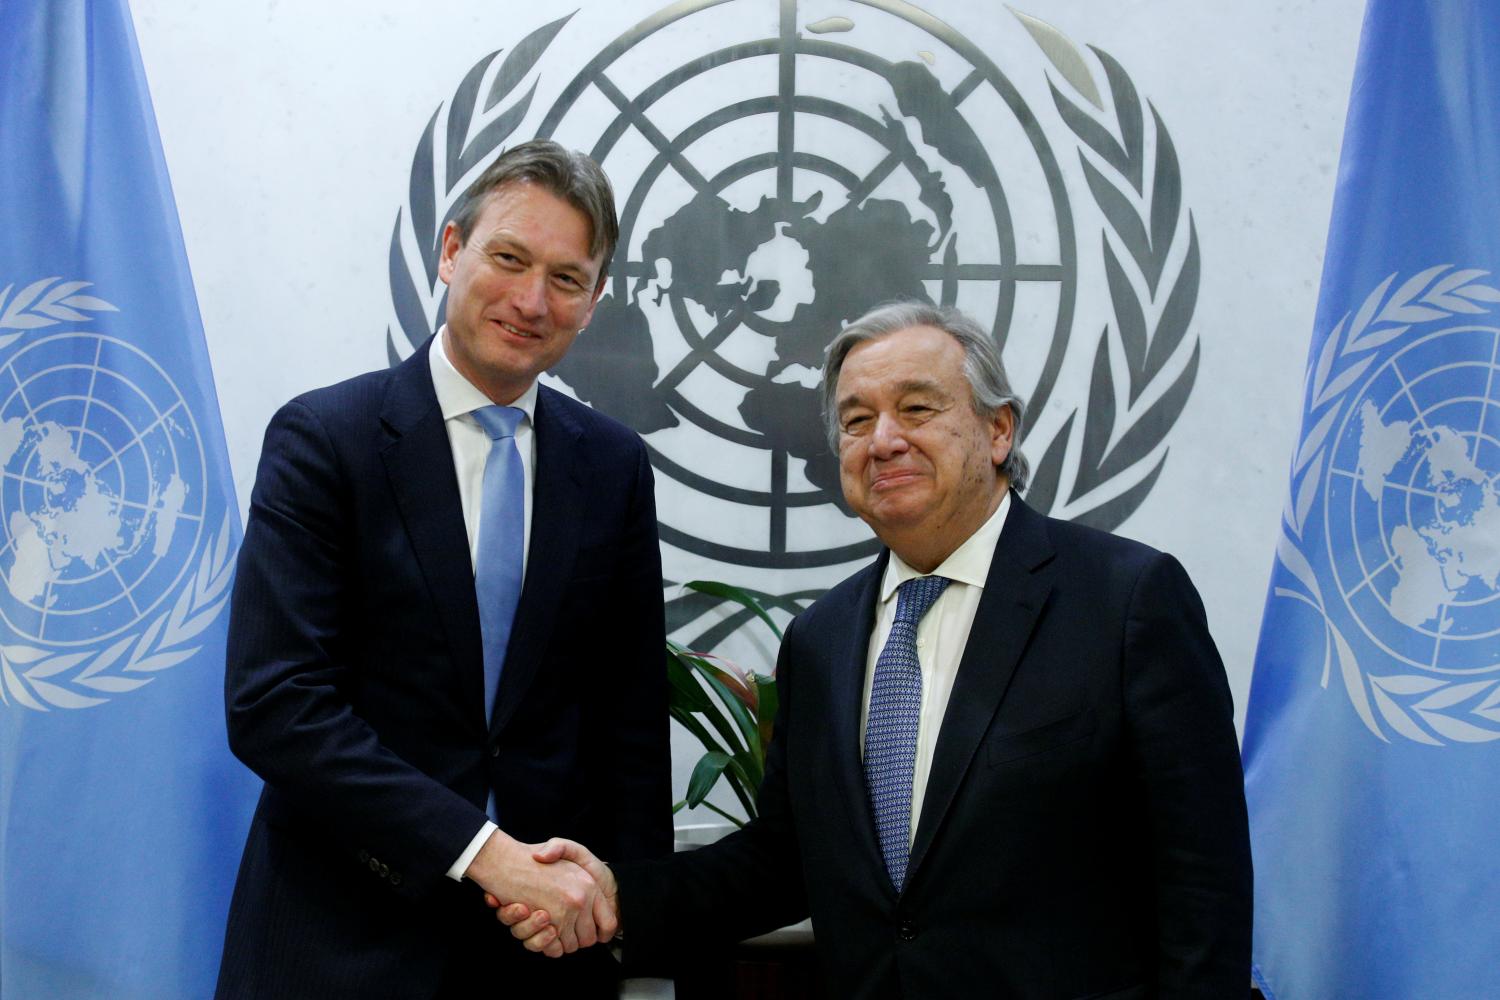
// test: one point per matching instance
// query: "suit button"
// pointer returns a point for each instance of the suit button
(395, 878)
(494, 751)
(384, 869)
(375, 866)
(364, 857)
(907, 930)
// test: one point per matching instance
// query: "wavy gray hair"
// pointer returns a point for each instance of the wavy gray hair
(989, 388)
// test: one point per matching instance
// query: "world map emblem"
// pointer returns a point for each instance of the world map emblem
(1399, 503)
(109, 562)
(782, 168)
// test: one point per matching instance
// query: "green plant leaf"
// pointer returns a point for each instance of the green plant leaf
(727, 709)
(734, 677)
(744, 784)
(744, 721)
(736, 680)
(705, 775)
(747, 599)
(728, 714)
(716, 717)
(699, 732)
(682, 687)
(746, 772)
(770, 703)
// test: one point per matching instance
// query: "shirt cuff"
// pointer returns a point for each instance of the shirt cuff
(456, 873)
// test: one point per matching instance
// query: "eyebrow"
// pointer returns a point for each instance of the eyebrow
(501, 240)
(904, 388)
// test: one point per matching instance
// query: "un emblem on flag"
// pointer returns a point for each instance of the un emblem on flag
(1401, 476)
(106, 571)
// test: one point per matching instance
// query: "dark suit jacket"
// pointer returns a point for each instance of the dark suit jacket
(1083, 832)
(355, 685)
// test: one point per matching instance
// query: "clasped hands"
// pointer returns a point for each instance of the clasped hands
(555, 897)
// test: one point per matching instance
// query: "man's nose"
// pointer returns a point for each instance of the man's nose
(530, 295)
(888, 438)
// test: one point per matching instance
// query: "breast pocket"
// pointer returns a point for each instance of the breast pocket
(1047, 737)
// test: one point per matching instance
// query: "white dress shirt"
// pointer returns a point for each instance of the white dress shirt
(458, 398)
(941, 637)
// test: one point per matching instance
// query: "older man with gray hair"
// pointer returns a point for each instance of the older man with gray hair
(1005, 762)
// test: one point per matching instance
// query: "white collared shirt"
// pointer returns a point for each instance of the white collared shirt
(458, 398)
(941, 637)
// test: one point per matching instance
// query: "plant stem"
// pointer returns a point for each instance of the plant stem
(733, 819)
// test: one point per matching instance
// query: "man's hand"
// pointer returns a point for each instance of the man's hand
(574, 895)
(533, 926)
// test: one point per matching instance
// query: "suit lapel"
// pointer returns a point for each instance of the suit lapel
(557, 509)
(419, 465)
(1014, 593)
(847, 678)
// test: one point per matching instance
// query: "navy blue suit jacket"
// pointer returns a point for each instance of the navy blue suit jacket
(355, 684)
(1083, 833)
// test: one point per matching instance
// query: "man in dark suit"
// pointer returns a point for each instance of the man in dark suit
(429, 666)
(1004, 763)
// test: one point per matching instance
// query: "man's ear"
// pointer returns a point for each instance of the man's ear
(598, 294)
(452, 244)
(1002, 435)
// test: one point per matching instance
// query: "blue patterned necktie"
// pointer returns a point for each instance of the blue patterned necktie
(499, 554)
(891, 730)
(501, 548)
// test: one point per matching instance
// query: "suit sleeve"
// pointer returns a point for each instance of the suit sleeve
(749, 883)
(632, 750)
(1186, 758)
(289, 677)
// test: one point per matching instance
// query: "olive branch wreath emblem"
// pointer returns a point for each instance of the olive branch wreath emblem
(1462, 711)
(1153, 308)
(469, 138)
(36, 677)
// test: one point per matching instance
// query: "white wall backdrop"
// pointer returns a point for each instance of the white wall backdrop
(289, 130)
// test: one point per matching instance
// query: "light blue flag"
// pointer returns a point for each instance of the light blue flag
(1372, 743)
(122, 814)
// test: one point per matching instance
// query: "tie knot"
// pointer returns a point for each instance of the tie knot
(499, 422)
(916, 596)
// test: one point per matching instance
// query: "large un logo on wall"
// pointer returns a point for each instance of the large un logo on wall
(782, 168)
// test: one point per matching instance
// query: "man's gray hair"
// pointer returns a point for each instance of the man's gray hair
(989, 389)
(570, 175)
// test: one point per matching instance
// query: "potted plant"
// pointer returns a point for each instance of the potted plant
(728, 709)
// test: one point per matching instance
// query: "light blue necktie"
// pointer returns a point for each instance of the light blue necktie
(500, 552)
(891, 730)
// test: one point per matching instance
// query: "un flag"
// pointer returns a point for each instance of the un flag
(121, 811)
(1372, 740)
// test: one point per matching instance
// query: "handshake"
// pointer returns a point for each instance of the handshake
(555, 897)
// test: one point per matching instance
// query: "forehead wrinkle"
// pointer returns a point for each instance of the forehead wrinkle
(903, 387)
(906, 387)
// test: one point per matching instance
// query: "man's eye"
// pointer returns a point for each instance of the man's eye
(856, 425)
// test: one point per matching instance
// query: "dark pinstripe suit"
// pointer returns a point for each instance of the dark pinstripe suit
(355, 685)
(1083, 833)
